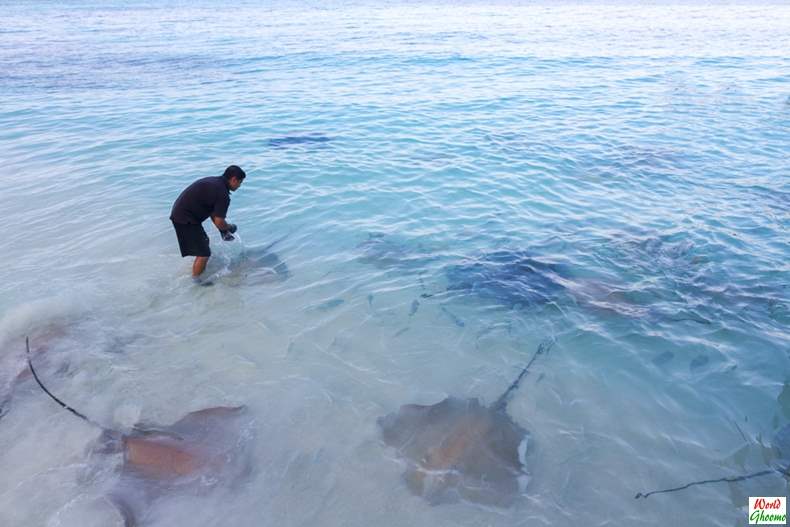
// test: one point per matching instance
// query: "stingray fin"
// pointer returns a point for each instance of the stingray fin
(124, 509)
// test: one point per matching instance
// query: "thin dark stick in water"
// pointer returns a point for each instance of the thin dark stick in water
(784, 472)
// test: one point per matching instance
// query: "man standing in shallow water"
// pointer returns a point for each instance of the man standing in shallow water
(205, 197)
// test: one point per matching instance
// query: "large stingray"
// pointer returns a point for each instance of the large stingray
(459, 449)
(387, 252)
(508, 277)
(519, 279)
(192, 455)
(257, 265)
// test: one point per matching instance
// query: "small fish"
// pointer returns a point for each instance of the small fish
(295, 140)
(690, 317)
(415, 305)
(457, 321)
(330, 304)
(698, 362)
(400, 332)
(663, 358)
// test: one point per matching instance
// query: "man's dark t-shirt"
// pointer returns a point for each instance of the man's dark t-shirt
(205, 197)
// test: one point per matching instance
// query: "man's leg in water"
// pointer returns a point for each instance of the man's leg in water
(199, 266)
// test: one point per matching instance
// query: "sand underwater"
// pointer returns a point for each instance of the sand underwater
(449, 185)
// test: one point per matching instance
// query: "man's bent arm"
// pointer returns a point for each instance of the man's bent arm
(220, 223)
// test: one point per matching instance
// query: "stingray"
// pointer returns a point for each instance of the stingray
(295, 140)
(780, 445)
(192, 455)
(257, 265)
(458, 449)
(668, 262)
(385, 252)
(518, 279)
(511, 278)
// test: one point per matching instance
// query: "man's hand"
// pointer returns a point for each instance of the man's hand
(221, 224)
(226, 229)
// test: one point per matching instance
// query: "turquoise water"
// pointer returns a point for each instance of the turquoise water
(639, 151)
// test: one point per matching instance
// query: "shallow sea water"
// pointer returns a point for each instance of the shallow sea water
(640, 148)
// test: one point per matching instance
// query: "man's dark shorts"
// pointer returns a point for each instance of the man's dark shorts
(192, 239)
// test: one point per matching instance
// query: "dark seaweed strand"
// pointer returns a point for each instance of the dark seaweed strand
(61, 403)
(544, 347)
(784, 472)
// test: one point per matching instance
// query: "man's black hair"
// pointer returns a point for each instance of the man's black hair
(234, 171)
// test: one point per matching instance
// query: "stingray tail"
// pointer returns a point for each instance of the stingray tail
(275, 242)
(544, 347)
(784, 472)
(278, 240)
(61, 403)
(124, 509)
